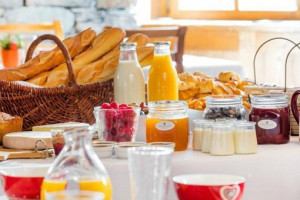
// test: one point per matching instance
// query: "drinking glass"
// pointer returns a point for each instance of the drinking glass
(149, 169)
(74, 195)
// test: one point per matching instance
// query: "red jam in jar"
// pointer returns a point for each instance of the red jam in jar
(271, 114)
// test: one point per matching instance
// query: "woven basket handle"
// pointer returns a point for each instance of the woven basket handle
(285, 71)
(61, 46)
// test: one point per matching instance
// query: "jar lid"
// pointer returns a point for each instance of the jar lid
(167, 105)
(269, 100)
(224, 100)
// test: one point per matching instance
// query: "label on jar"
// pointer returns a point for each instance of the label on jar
(267, 124)
(164, 125)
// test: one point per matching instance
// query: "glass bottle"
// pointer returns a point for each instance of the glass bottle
(163, 78)
(167, 121)
(77, 167)
(129, 82)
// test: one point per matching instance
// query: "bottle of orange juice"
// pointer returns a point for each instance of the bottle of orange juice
(77, 168)
(163, 78)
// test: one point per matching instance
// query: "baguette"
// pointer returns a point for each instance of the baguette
(101, 45)
(139, 38)
(147, 61)
(104, 69)
(39, 79)
(47, 60)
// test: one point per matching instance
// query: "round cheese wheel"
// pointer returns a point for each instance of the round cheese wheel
(27, 140)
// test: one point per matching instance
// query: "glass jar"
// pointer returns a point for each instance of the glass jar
(224, 107)
(271, 114)
(117, 125)
(168, 121)
(206, 140)
(77, 167)
(198, 130)
(222, 143)
(245, 140)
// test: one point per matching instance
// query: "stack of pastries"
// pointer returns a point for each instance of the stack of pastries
(95, 59)
(193, 88)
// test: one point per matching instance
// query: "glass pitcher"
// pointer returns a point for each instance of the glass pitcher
(77, 167)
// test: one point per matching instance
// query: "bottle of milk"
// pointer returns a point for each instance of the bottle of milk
(129, 83)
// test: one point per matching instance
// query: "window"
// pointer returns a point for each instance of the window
(206, 5)
(234, 9)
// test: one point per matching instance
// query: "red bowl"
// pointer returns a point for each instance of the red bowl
(23, 182)
(209, 187)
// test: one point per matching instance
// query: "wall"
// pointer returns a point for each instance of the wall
(75, 15)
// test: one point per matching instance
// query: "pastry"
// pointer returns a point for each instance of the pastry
(9, 124)
(226, 77)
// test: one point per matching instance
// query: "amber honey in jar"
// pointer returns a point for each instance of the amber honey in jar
(168, 121)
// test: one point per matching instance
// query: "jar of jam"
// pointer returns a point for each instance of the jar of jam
(271, 114)
(222, 106)
(168, 121)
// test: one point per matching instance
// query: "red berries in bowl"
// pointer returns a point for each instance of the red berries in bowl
(118, 122)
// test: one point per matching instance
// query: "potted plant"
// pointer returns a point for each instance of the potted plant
(10, 51)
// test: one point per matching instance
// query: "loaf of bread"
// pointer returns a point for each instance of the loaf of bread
(101, 45)
(39, 79)
(49, 59)
(147, 61)
(104, 68)
(9, 124)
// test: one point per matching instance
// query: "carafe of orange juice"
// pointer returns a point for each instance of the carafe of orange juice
(77, 168)
(162, 78)
(167, 121)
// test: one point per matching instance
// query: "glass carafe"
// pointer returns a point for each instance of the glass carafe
(77, 167)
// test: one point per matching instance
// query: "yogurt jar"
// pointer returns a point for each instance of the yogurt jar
(222, 143)
(207, 134)
(198, 130)
(245, 140)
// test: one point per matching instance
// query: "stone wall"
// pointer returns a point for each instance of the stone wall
(75, 15)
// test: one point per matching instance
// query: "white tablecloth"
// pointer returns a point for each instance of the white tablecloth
(272, 174)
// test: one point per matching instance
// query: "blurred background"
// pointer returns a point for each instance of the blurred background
(219, 32)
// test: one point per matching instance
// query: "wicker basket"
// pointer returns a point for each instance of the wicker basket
(288, 91)
(38, 106)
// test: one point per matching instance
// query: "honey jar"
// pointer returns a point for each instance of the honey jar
(168, 121)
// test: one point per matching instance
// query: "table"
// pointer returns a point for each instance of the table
(272, 174)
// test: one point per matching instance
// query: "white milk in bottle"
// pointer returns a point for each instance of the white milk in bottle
(129, 83)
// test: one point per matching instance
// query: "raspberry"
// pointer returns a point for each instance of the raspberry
(123, 106)
(130, 113)
(142, 105)
(105, 106)
(114, 105)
